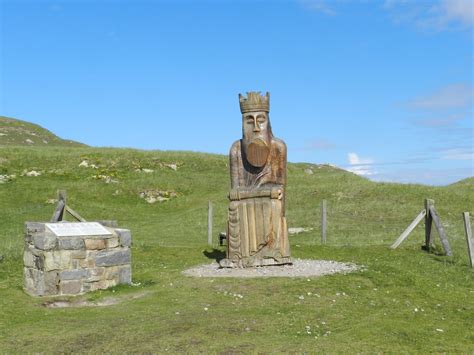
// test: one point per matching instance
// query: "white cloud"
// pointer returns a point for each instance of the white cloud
(354, 159)
(440, 122)
(318, 6)
(360, 166)
(456, 10)
(457, 95)
(433, 15)
(446, 112)
(458, 154)
(426, 175)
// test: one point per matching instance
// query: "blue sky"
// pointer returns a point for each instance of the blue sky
(381, 88)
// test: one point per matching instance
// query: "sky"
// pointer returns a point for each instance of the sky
(380, 88)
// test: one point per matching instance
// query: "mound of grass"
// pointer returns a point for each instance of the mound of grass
(18, 132)
(402, 301)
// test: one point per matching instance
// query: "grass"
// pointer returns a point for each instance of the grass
(403, 300)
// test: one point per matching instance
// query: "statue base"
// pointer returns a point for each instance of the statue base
(254, 262)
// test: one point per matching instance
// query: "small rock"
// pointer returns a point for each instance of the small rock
(150, 199)
(109, 180)
(6, 178)
(309, 171)
(152, 196)
(85, 164)
(29, 141)
(106, 178)
(172, 166)
(33, 173)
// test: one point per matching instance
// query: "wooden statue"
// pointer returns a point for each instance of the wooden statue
(257, 234)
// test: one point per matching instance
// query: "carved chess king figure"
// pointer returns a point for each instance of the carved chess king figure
(257, 234)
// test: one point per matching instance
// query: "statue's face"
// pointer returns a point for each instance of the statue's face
(255, 124)
(256, 137)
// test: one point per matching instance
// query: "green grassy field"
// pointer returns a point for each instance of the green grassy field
(403, 300)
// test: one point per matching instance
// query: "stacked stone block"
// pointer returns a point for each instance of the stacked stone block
(72, 265)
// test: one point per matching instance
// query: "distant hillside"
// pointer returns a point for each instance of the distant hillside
(17, 132)
(464, 182)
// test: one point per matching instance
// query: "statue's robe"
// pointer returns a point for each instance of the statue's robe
(257, 232)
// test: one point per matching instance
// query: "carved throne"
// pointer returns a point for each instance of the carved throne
(257, 233)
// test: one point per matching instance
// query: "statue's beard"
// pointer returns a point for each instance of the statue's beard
(257, 150)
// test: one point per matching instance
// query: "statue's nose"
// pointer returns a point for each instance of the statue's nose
(256, 127)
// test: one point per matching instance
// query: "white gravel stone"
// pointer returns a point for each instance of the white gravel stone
(300, 268)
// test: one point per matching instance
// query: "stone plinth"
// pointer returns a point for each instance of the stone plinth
(56, 263)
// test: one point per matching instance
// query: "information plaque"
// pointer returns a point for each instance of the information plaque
(77, 229)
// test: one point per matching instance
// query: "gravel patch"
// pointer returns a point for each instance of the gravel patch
(298, 230)
(300, 268)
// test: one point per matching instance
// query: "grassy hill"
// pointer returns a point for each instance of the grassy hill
(17, 132)
(403, 300)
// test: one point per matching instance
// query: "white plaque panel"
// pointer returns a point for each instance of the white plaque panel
(77, 229)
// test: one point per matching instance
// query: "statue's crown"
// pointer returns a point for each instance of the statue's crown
(254, 102)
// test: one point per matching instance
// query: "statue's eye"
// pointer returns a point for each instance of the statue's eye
(249, 119)
(261, 119)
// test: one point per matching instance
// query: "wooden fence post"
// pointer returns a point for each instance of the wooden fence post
(428, 223)
(323, 221)
(409, 229)
(431, 216)
(468, 230)
(58, 214)
(209, 224)
(441, 232)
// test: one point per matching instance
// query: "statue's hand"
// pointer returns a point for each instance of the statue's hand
(234, 195)
(276, 193)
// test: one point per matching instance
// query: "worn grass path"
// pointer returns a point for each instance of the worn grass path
(403, 300)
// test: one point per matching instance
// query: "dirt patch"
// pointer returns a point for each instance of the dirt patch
(300, 268)
(106, 301)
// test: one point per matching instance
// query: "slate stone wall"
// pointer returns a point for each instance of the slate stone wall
(74, 265)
